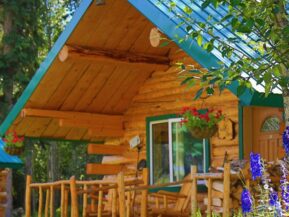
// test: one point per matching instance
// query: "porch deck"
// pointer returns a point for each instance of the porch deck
(126, 197)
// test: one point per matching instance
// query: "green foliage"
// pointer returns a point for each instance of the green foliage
(263, 25)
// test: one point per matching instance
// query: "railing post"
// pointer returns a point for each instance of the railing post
(209, 206)
(226, 205)
(47, 203)
(144, 194)
(100, 196)
(66, 193)
(74, 202)
(62, 195)
(121, 194)
(114, 202)
(84, 207)
(51, 201)
(28, 197)
(40, 202)
(194, 202)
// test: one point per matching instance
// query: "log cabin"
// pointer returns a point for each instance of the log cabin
(7, 163)
(107, 80)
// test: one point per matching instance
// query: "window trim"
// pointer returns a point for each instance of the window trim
(162, 119)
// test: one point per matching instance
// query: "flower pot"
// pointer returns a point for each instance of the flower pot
(14, 150)
(202, 133)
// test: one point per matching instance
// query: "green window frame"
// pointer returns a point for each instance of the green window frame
(163, 118)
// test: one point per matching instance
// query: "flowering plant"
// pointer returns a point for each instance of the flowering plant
(197, 118)
(12, 140)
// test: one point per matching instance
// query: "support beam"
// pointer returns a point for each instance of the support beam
(105, 149)
(112, 56)
(103, 169)
(73, 116)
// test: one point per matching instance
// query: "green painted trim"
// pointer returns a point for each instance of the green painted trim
(208, 155)
(273, 100)
(11, 165)
(44, 66)
(241, 133)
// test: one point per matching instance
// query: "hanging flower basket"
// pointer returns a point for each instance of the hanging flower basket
(14, 150)
(201, 124)
(13, 144)
(203, 133)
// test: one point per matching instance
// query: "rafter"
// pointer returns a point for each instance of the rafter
(98, 125)
(112, 56)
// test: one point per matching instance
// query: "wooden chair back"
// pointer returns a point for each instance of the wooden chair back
(186, 190)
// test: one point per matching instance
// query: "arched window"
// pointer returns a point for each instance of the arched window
(271, 124)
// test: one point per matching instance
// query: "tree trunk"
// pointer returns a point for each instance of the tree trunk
(9, 74)
(8, 98)
(286, 108)
(9, 204)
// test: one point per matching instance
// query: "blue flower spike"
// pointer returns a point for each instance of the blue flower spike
(246, 201)
(256, 165)
(285, 138)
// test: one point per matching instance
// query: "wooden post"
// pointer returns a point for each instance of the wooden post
(74, 202)
(40, 202)
(92, 202)
(100, 196)
(28, 197)
(62, 195)
(121, 195)
(47, 202)
(194, 202)
(114, 202)
(209, 210)
(144, 194)
(84, 206)
(165, 201)
(128, 203)
(226, 202)
(51, 201)
(65, 211)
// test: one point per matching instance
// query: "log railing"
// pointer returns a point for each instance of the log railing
(119, 201)
(209, 178)
(122, 197)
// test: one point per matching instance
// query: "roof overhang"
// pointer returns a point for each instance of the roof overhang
(105, 56)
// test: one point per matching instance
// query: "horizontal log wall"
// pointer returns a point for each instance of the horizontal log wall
(162, 94)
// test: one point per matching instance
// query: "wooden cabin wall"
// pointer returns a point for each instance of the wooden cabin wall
(162, 94)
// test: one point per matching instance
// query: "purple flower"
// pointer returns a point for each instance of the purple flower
(273, 198)
(246, 201)
(286, 140)
(256, 165)
(285, 194)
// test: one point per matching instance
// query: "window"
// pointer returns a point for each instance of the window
(271, 124)
(172, 151)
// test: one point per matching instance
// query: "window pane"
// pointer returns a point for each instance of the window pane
(271, 124)
(160, 150)
(187, 151)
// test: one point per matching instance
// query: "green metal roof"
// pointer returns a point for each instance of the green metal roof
(159, 13)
